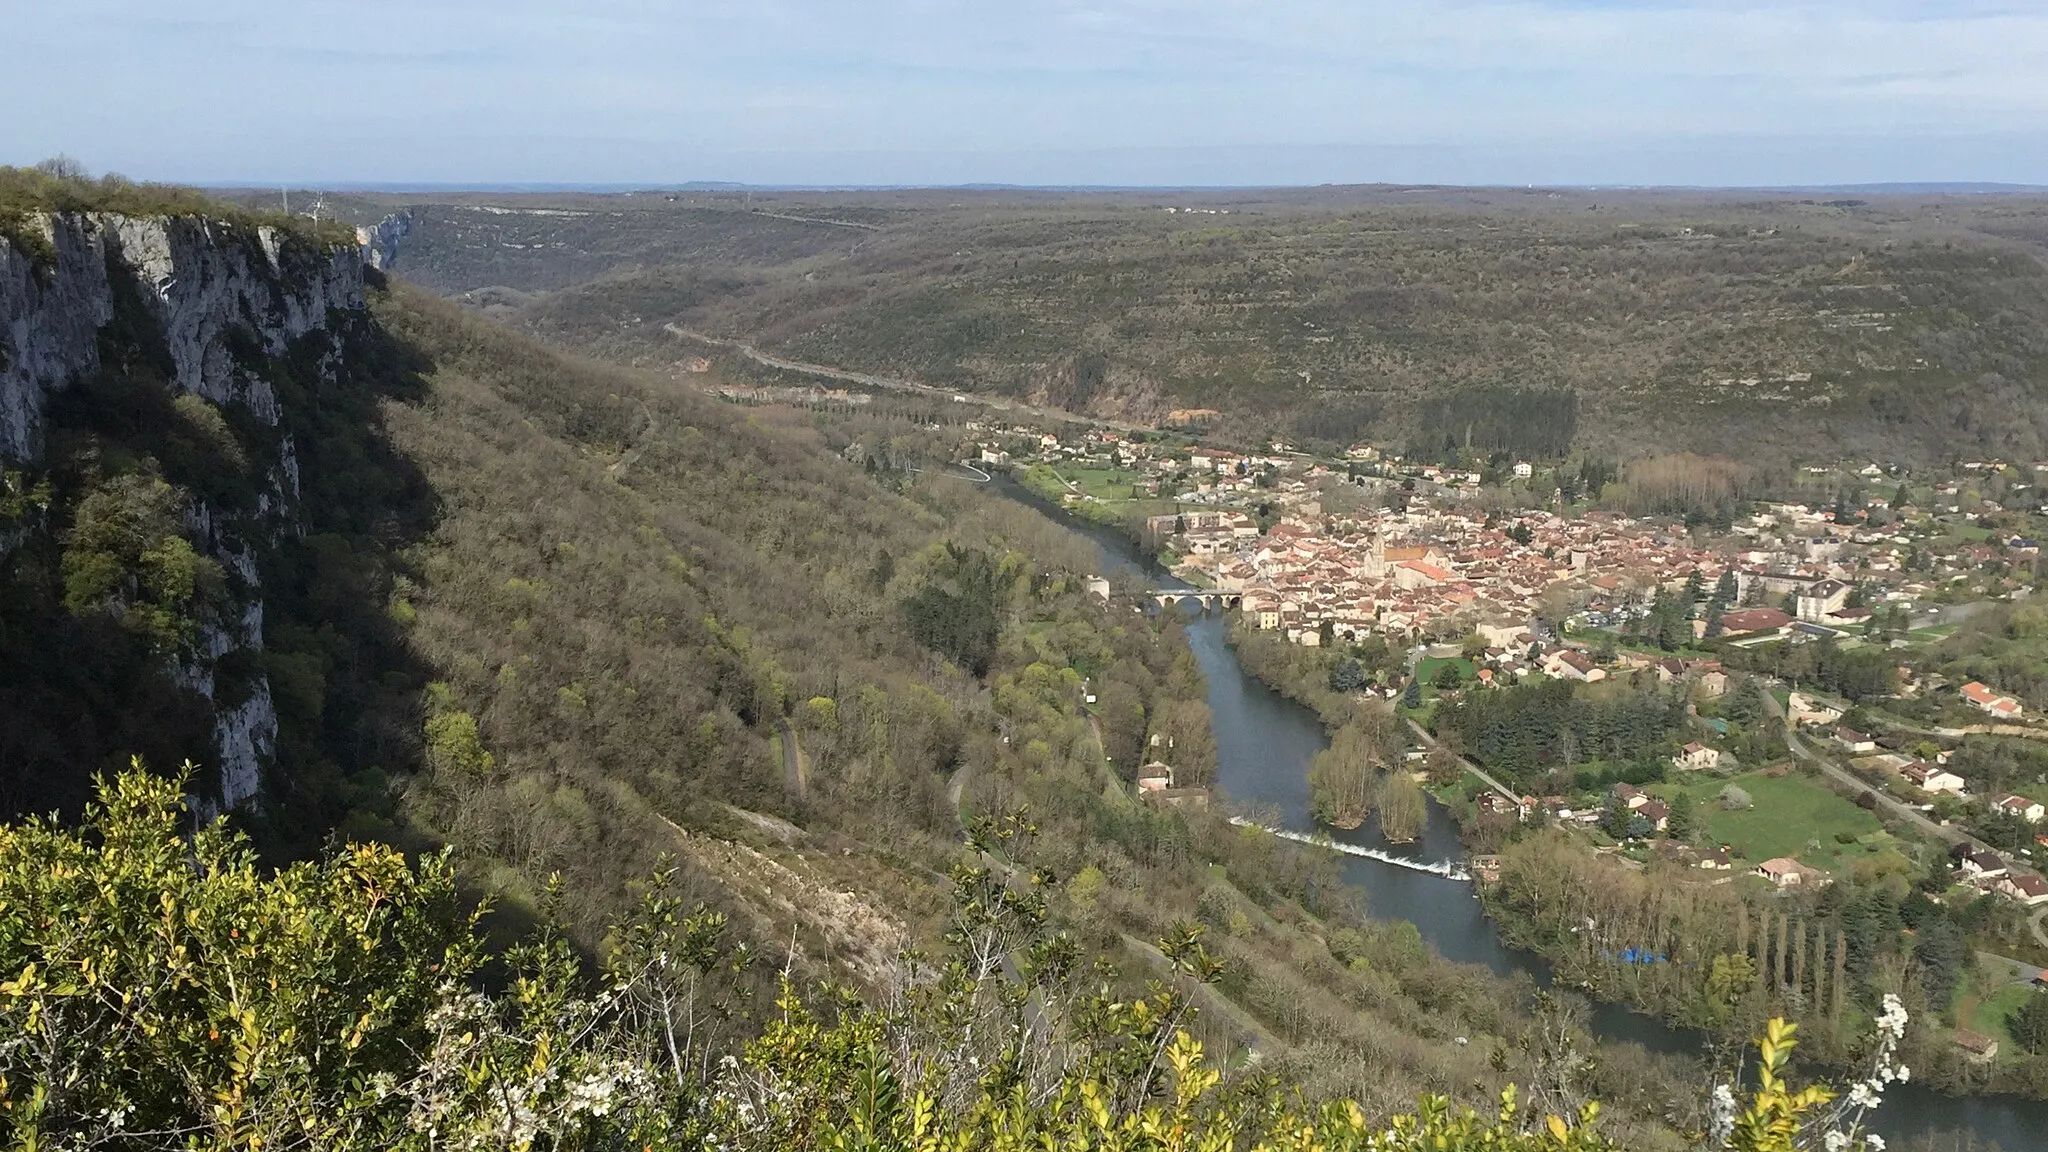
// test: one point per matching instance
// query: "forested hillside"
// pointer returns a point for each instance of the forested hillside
(1745, 326)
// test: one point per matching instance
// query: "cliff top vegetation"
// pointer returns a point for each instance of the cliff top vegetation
(60, 185)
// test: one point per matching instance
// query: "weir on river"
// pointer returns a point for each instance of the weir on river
(1444, 868)
(1264, 745)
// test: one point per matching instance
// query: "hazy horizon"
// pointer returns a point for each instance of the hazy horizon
(1065, 93)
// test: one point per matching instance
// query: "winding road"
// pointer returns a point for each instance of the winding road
(893, 383)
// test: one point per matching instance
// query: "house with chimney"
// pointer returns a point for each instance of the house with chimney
(2026, 888)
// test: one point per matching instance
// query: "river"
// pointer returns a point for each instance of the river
(1264, 742)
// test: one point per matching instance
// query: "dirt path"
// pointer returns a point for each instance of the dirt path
(1250, 1032)
(796, 769)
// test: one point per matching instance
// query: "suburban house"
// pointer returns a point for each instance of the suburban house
(2031, 811)
(2003, 707)
(1657, 813)
(1932, 777)
(1755, 622)
(1566, 664)
(1983, 865)
(1155, 786)
(1495, 804)
(2028, 889)
(1717, 860)
(1854, 741)
(1807, 710)
(1155, 777)
(1979, 1049)
(1696, 756)
(1785, 872)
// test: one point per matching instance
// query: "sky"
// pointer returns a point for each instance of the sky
(1050, 92)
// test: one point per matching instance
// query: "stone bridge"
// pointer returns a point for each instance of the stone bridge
(1209, 600)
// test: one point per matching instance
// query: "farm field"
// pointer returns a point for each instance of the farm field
(1790, 815)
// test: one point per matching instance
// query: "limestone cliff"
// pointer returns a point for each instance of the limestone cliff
(215, 304)
(380, 241)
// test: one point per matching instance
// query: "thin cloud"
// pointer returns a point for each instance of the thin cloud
(230, 88)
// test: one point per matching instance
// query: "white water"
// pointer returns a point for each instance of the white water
(1444, 868)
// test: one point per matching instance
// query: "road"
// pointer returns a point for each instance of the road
(1415, 656)
(814, 220)
(894, 384)
(1429, 741)
(1843, 776)
(796, 769)
(2040, 926)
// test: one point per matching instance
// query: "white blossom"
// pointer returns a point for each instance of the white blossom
(1721, 1125)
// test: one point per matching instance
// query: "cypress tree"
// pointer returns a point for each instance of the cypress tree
(1840, 983)
(1799, 961)
(1778, 955)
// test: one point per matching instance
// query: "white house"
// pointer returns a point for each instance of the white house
(2031, 811)
(1785, 872)
(1697, 756)
(1982, 866)
(1932, 777)
(2027, 889)
(2003, 707)
(1807, 710)
(1566, 664)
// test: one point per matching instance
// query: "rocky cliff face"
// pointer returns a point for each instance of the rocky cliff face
(216, 302)
(380, 241)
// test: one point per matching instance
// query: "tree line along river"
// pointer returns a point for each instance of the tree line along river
(1264, 742)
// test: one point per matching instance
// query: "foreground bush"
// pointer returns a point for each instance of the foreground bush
(166, 991)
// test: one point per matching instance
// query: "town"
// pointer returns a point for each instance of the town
(1783, 624)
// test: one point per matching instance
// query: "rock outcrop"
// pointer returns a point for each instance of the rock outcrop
(216, 300)
(380, 241)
